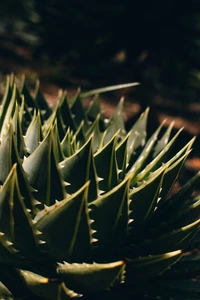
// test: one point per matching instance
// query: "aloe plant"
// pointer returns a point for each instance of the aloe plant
(86, 208)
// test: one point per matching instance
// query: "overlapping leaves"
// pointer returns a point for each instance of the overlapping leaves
(78, 189)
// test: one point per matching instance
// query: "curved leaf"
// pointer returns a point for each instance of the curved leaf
(90, 278)
(54, 222)
(43, 173)
(81, 161)
(110, 213)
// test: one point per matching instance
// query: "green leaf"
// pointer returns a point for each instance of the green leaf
(94, 109)
(43, 172)
(15, 220)
(79, 113)
(179, 199)
(159, 159)
(13, 286)
(54, 222)
(66, 144)
(116, 124)
(186, 268)
(6, 100)
(122, 157)
(162, 143)
(172, 175)
(40, 286)
(111, 208)
(7, 114)
(34, 133)
(66, 113)
(97, 134)
(79, 139)
(90, 278)
(8, 254)
(81, 163)
(144, 198)
(173, 240)
(17, 133)
(137, 166)
(137, 136)
(151, 266)
(107, 171)
(108, 89)
(30, 102)
(41, 101)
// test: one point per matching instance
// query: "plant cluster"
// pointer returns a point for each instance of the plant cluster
(86, 208)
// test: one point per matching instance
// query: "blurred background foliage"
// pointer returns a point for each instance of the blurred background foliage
(96, 43)
(153, 41)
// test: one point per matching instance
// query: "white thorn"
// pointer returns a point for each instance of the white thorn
(38, 232)
(130, 221)
(8, 243)
(94, 240)
(35, 202)
(41, 242)
(99, 179)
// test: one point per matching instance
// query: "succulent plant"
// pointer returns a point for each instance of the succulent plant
(86, 206)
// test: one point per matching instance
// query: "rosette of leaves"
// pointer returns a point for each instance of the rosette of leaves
(86, 209)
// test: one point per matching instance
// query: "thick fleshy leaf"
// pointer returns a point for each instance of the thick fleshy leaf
(79, 137)
(7, 115)
(43, 173)
(97, 134)
(82, 162)
(186, 268)
(66, 114)
(79, 112)
(151, 266)
(116, 124)
(30, 102)
(41, 101)
(180, 198)
(138, 165)
(173, 240)
(90, 278)
(108, 89)
(56, 143)
(158, 160)
(12, 285)
(18, 134)
(107, 170)
(54, 222)
(110, 213)
(66, 144)
(34, 133)
(15, 220)
(46, 288)
(8, 254)
(145, 198)
(162, 143)
(171, 175)
(94, 109)
(138, 134)
(122, 157)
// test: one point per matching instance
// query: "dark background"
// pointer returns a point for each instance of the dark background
(92, 44)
